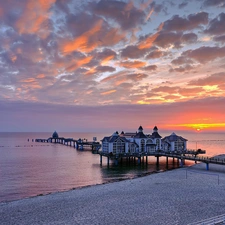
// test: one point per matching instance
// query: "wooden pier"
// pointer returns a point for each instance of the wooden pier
(78, 144)
(180, 157)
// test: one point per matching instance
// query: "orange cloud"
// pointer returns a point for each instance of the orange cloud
(148, 42)
(82, 43)
(28, 80)
(91, 71)
(78, 63)
(106, 59)
(40, 76)
(134, 64)
(13, 58)
(35, 14)
(108, 92)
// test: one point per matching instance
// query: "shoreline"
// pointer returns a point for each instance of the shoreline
(112, 181)
(150, 199)
(92, 185)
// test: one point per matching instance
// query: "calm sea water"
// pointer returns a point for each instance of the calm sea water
(28, 168)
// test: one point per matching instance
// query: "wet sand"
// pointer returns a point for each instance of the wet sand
(179, 196)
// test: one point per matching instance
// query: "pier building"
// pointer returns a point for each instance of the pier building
(139, 142)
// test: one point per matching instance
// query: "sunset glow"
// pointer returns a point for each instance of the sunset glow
(201, 126)
(149, 62)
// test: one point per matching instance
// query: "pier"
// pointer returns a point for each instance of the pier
(78, 144)
(191, 155)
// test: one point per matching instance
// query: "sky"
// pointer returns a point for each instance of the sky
(105, 65)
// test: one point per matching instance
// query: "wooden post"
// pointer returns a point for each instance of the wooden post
(157, 160)
(100, 159)
(108, 161)
(139, 160)
(181, 162)
(146, 159)
(167, 164)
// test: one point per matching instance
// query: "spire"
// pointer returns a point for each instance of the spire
(155, 129)
(140, 129)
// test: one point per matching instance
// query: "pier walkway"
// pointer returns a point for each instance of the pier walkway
(191, 155)
(78, 144)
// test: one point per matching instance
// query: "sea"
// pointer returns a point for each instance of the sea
(29, 168)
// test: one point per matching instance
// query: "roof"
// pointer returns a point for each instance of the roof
(55, 135)
(155, 135)
(114, 138)
(155, 128)
(140, 135)
(129, 134)
(173, 137)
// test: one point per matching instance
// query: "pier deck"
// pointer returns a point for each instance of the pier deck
(181, 157)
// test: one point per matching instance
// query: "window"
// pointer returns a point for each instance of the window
(142, 149)
(118, 147)
(114, 147)
(105, 147)
(158, 144)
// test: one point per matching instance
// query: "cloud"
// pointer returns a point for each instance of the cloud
(148, 40)
(72, 51)
(84, 42)
(182, 5)
(105, 55)
(205, 54)
(35, 18)
(219, 39)
(214, 79)
(125, 14)
(150, 68)
(108, 92)
(167, 39)
(133, 52)
(189, 38)
(176, 92)
(155, 54)
(216, 26)
(157, 8)
(102, 69)
(193, 21)
(132, 64)
(182, 60)
(218, 3)
(182, 69)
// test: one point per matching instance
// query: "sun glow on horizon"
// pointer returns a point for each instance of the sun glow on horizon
(200, 126)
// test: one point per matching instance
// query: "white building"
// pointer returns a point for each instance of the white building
(140, 142)
(174, 143)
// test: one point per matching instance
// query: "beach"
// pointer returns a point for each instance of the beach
(180, 196)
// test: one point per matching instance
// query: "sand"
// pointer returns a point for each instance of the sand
(179, 196)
